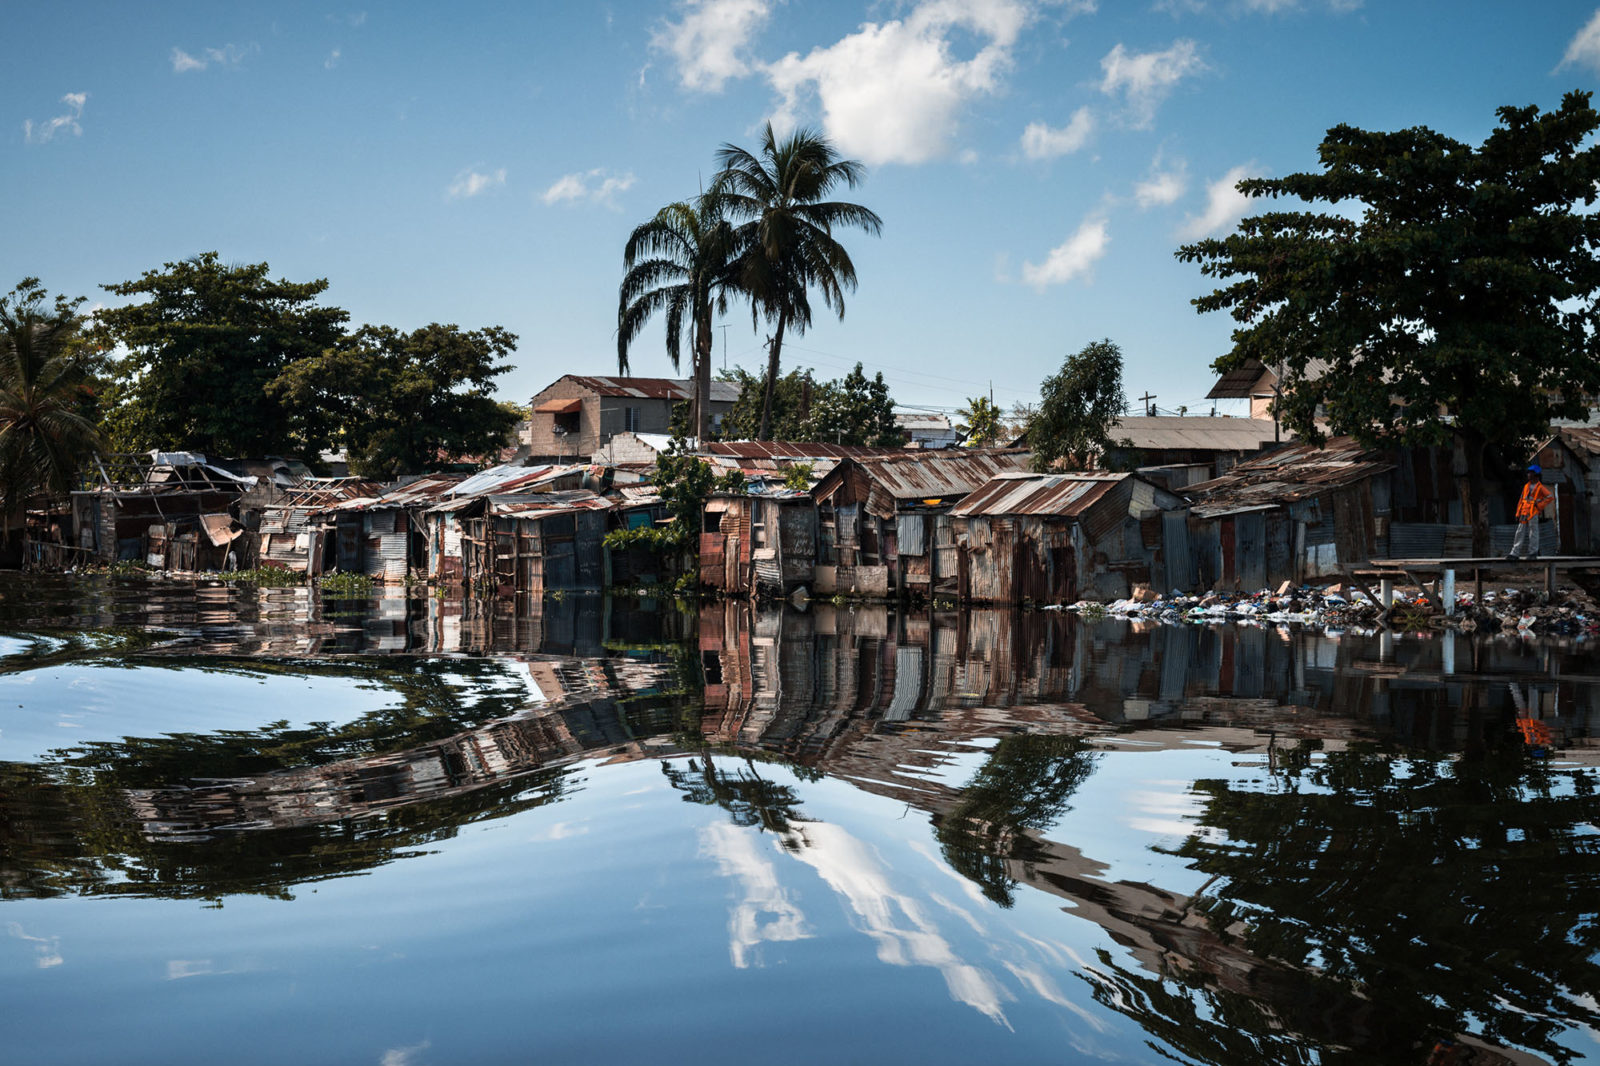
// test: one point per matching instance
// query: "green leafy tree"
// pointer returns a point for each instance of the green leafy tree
(791, 405)
(980, 422)
(1078, 407)
(786, 239)
(47, 429)
(201, 350)
(855, 409)
(1460, 301)
(404, 402)
(681, 263)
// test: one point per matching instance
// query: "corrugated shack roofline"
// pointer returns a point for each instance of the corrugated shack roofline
(794, 450)
(921, 475)
(439, 491)
(1066, 495)
(1286, 476)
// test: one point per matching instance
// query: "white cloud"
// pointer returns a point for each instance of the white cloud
(1162, 186)
(709, 43)
(597, 186)
(893, 92)
(227, 56)
(332, 60)
(404, 1056)
(766, 913)
(1179, 7)
(1225, 206)
(1144, 79)
(470, 183)
(1073, 257)
(50, 127)
(1585, 47)
(1042, 142)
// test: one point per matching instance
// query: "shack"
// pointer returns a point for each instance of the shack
(381, 535)
(154, 504)
(754, 544)
(537, 543)
(883, 522)
(1057, 538)
(1297, 514)
(285, 535)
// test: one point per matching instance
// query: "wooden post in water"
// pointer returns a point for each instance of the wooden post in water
(1385, 594)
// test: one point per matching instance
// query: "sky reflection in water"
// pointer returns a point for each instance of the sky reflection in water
(941, 838)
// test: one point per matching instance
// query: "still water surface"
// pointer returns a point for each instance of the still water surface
(260, 827)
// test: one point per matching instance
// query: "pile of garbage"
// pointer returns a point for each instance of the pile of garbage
(1338, 607)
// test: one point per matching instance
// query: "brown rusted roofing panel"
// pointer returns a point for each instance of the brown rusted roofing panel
(1585, 440)
(1287, 475)
(921, 475)
(775, 449)
(219, 528)
(1066, 495)
(559, 407)
(546, 504)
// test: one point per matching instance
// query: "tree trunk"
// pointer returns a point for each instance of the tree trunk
(702, 384)
(1473, 488)
(772, 378)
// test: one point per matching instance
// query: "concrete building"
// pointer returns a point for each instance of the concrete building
(576, 416)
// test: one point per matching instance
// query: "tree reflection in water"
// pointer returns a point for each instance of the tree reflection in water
(1392, 901)
(1024, 784)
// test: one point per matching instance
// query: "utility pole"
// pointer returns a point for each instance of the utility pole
(724, 346)
(1149, 409)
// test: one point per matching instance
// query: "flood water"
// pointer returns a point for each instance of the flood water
(264, 827)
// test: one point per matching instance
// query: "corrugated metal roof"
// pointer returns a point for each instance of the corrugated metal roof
(654, 388)
(1287, 475)
(799, 450)
(1066, 495)
(1194, 433)
(1585, 440)
(912, 475)
(1246, 380)
(545, 504)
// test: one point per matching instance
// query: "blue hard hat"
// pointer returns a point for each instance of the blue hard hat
(1534, 468)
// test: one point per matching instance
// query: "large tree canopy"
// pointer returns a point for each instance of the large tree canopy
(405, 402)
(854, 409)
(1454, 292)
(202, 348)
(1077, 408)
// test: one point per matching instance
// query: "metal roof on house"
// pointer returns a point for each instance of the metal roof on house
(1066, 495)
(1287, 475)
(654, 388)
(1585, 440)
(915, 475)
(1245, 381)
(547, 504)
(799, 450)
(1193, 433)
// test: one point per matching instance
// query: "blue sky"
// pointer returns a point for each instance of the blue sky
(1035, 163)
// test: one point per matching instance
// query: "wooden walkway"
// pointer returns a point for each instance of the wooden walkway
(1437, 577)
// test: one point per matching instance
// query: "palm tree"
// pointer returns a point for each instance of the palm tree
(680, 262)
(45, 434)
(786, 233)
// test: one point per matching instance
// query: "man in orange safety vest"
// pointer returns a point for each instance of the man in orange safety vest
(1535, 498)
